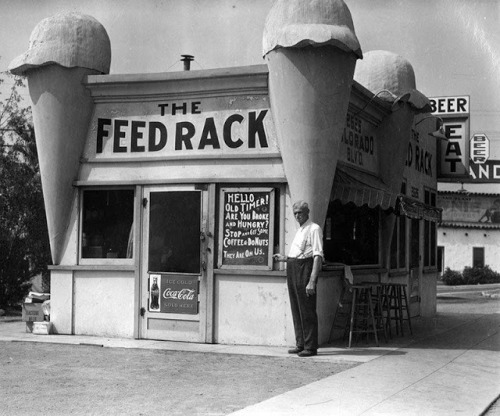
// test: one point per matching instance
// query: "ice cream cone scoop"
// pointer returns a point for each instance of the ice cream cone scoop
(63, 50)
(311, 51)
(384, 70)
(68, 39)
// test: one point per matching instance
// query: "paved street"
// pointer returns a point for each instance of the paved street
(434, 371)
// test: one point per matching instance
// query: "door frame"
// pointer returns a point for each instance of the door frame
(206, 279)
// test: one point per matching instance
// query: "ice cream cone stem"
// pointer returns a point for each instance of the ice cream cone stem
(62, 108)
(309, 92)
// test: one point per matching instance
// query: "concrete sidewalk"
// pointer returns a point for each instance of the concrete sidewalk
(449, 365)
(454, 372)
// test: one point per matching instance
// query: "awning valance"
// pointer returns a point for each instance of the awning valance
(415, 209)
(361, 188)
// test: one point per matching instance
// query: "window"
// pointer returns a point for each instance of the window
(414, 243)
(174, 232)
(107, 224)
(440, 259)
(398, 242)
(477, 256)
(351, 234)
(430, 243)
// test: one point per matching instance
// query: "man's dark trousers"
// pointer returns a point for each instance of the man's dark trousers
(305, 318)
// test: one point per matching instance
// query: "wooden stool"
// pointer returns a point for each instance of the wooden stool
(342, 317)
(397, 305)
(362, 313)
(378, 297)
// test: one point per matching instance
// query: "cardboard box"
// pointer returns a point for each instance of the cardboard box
(29, 327)
(32, 312)
(42, 328)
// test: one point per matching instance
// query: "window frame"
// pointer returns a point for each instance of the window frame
(430, 233)
(400, 233)
(399, 239)
(106, 261)
(480, 250)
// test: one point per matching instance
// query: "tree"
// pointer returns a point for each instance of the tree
(24, 243)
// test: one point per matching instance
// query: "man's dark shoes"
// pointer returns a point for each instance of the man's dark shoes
(308, 353)
(295, 350)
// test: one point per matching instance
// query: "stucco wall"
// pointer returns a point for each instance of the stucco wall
(252, 311)
(61, 301)
(104, 303)
(459, 242)
(255, 310)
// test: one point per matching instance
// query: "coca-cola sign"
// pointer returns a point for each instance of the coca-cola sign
(179, 293)
(183, 294)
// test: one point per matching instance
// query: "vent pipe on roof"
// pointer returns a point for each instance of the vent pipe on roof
(187, 61)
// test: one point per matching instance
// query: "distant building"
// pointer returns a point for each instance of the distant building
(469, 234)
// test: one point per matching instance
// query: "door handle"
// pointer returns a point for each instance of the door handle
(204, 265)
(203, 235)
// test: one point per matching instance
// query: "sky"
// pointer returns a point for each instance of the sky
(453, 45)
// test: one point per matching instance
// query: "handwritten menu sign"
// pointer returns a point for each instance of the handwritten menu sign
(246, 234)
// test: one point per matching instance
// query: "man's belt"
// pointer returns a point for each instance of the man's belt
(305, 259)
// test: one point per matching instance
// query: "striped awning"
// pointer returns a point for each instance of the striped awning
(415, 209)
(361, 188)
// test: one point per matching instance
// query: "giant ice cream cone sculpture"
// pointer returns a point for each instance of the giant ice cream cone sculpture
(311, 51)
(63, 50)
(392, 77)
(383, 71)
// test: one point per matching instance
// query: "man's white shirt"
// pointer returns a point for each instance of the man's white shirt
(308, 241)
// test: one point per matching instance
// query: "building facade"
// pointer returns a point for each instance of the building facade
(167, 194)
(469, 191)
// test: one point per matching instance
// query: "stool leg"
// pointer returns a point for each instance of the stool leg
(380, 313)
(387, 309)
(405, 298)
(393, 299)
(396, 308)
(353, 308)
(372, 315)
(400, 308)
(339, 306)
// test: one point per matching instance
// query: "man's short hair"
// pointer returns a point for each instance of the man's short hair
(302, 205)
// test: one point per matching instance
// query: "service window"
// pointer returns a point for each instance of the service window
(351, 234)
(398, 242)
(107, 224)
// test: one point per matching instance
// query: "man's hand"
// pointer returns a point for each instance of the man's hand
(279, 257)
(311, 288)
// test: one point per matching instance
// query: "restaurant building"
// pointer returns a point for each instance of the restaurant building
(167, 194)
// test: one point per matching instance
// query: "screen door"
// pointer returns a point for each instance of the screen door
(173, 299)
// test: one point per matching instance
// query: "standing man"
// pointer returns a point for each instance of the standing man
(303, 266)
